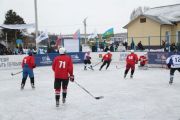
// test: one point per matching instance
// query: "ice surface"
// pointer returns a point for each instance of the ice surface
(147, 96)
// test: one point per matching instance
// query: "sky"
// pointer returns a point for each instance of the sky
(66, 16)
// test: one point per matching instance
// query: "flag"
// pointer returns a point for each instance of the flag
(76, 34)
(41, 37)
(132, 44)
(17, 26)
(92, 35)
(108, 33)
(58, 41)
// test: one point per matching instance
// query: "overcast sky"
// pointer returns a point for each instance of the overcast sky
(66, 16)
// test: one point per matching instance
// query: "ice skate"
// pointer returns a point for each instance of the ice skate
(32, 85)
(131, 76)
(124, 75)
(22, 86)
(171, 81)
(64, 100)
(57, 103)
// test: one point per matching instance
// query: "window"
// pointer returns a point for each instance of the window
(142, 20)
(178, 37)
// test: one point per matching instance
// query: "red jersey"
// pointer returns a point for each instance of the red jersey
(132, 59)
(107, 57)
(28, 61)
(143, 60)
(62, 66)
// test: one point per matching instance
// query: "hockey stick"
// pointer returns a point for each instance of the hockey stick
(118, 67)
(94, 65)
(99, 97)
(16, 73)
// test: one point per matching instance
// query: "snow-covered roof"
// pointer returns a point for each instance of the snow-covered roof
(166, 13)
(159, 19)
(163, 14)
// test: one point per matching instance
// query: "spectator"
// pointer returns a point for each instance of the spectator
(106, 49)
(140, 46)
(112, 48)
(125, 45)
(132, 45)
(173, 47)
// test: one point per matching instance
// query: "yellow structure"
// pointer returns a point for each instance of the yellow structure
(155, 26)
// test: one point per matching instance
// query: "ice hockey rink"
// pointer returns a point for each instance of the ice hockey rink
(147, 96)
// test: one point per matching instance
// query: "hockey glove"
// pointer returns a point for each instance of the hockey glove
(169, 66)
(71, 78)
(34, 66)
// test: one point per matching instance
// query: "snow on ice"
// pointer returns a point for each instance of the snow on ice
(147, 96)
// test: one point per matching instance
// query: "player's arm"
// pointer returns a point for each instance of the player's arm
(70, 70)
(168, 62)
(22, 64)
(54, 64)
(33, 62)
(136, 59)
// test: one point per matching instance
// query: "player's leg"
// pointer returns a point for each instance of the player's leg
(64, 90)
(172, 70)
(132, 70)
(104, 63)
(25, 74)
(126, 70)
(85, 64)
(57, 87)
(108, 63)
(89, 62)
(31, 76)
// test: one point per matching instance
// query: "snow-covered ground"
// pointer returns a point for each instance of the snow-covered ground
(147, 96)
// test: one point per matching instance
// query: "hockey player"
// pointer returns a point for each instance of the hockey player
(106, 60)
(28, 64)
(143, 61)
(63, 72)
(173, 63)
(87, 60)
(131, 60)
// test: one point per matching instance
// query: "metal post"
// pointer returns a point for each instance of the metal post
(36, 20)
(85, 30)
(149, 42)
(6, 41)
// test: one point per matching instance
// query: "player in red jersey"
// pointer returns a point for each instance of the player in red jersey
(28, 64)
(106, 60)
(143, 60)
(63, 71)
(131, 60)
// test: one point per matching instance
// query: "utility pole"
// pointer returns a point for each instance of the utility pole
(6, 41)
(84, 21)
(36, 20)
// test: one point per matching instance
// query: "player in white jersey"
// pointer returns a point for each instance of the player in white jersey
(87, 60)
(173, 62)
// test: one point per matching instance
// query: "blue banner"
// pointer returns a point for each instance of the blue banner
(47, 59)
(158, 57)
(19, 41)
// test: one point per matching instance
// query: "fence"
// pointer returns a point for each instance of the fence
(150, 43)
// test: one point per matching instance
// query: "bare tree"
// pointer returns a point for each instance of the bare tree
(138, 11)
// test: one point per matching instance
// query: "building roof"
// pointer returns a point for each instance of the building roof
(170, 12)
(163, 14)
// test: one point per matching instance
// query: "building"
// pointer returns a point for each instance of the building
(155, 26)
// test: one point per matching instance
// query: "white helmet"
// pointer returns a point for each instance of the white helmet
(108, 51)
(132, 51)
(62, 50)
